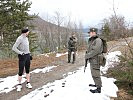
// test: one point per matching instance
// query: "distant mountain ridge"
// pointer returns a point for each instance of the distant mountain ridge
(85, 30)
(39, 23)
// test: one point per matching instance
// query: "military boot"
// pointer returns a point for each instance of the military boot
(98, 90)
(68, 61)
(92, 85)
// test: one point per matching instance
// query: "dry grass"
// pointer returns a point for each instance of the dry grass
(8, 67)
(123, 95)
(120, 45)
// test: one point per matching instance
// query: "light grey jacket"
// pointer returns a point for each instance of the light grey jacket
(21, 45)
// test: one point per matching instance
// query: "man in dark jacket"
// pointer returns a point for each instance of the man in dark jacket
(72, 48)
(94, 50)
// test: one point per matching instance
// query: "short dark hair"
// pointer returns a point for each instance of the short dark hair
(24, 30)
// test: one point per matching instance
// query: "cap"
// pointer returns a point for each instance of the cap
(24, 30)
(93, 30)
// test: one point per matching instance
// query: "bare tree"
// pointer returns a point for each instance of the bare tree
(125, 31)
(120, 29)
(55, 37)
(58, 21)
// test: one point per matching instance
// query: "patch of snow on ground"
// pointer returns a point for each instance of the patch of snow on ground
(44, 70)
(9, 83)
(111, 60)
(74, 87)
(61, 54)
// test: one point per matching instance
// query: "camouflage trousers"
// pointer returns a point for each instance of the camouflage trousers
(70, 52)
(95, 72)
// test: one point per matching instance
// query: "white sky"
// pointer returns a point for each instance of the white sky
(89, 12)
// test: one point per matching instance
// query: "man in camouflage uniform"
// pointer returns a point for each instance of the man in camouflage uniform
(94, 50)
(72, 48)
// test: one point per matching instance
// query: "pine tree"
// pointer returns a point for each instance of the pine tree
(106, 31)
(13, 17)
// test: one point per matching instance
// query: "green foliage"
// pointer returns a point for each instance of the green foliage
(105, 29)
(130, 63)
(60, 50)
(127, 68)
(33, 41)
(124, 74)
(46, 50)
(13, 17)
(106, 32)
(115, 27)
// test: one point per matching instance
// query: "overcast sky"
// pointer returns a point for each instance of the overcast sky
(89, 12)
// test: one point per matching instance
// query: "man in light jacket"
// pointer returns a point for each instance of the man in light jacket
(21, 47)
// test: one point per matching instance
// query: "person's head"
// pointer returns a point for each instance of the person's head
(73, 35)
(25, 32)
(71, 38)
(93, 32)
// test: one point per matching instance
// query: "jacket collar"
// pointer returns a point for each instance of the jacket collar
(23, 35)
(93, 38)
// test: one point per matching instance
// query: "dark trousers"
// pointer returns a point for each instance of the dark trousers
(24, 61)
(69, 55)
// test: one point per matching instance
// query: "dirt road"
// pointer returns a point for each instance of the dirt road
(40, 79)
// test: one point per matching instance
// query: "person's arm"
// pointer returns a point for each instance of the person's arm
(95, 50)
(68, 44)
(15, 46)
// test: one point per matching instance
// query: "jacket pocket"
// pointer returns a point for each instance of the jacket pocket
(102, 60)
(93, 60)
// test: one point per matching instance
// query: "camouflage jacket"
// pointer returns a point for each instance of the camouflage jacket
(95, 47)
(72, 43)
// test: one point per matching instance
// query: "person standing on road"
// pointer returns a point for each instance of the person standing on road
(21, 47)
(72, 48)
(95, 48)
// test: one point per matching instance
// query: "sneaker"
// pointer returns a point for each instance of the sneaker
(19, 87)
(92, 85)
(28, 85)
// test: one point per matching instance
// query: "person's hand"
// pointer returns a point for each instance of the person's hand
(22, 54)
(31, 57)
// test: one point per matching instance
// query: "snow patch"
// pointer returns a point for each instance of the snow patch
(44, 70)
(111, 60)
(61, 54)
(9, 83)
(74, 87)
